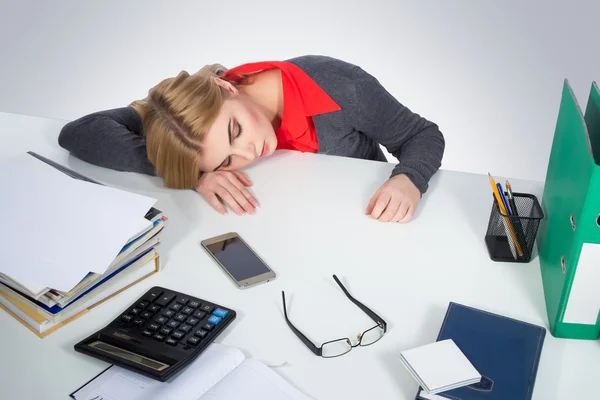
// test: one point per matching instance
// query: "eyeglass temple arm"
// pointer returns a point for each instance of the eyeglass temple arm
(360, 305)
(300, 335)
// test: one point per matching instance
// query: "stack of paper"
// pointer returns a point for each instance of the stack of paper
(440, 366)
(69, 243)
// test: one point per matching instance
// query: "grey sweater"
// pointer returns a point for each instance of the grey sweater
(370, 116)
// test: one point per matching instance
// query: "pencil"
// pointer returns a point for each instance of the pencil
(505, 216)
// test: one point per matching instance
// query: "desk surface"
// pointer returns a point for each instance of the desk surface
(311, 225)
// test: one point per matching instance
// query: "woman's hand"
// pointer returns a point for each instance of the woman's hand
(395, 201)
(229, 186)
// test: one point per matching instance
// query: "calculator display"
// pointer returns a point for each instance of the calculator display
(235, 256)
(127, 355)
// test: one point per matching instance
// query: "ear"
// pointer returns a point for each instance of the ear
(227, 85)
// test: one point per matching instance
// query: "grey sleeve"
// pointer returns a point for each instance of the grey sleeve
(416, 142)
(112, 139)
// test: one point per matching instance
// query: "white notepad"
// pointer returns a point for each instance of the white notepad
(219, 373)
(440, 366)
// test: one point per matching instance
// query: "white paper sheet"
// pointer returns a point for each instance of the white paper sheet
(440, 366)
(253, 380)
(219, 373)
(121, 384)
(56, 229)
(583, 305)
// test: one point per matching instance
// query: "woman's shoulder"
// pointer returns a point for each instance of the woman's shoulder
(338, 78)
(314, 64)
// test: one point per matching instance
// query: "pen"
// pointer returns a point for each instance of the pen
(511, 199)
(503, 197)
(515, 214)
(508, 226)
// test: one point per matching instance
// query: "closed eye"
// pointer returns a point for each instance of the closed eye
(239, 130)
(231, 132)
(234, 135)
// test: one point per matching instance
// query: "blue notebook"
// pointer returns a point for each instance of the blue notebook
(505, 351)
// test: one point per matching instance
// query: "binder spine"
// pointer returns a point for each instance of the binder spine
(569, 240)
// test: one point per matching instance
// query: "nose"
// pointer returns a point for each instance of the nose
(246, 150)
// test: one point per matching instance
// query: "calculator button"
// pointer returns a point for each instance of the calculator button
(219, 312)
(164, 300)
(166, 331)
(173, 324)
(187, 310)
(153, 295)
(192, 321)
(183, 300)
(176, 307)
(142, 304)
(193, 340)
(135, 310)
(178, 335)
(200, 333)
(171, 341)
(153, 327)
(207, 308)
(161, 320)
(159, 337)
(168, 313)
(146, 332)
(194, 304)
(138, 322)
(214, 320)
(146, 314)
(126, 318)
(199, 314)
(185, 328)
(208, 327)
(154, 308)
(181, 317)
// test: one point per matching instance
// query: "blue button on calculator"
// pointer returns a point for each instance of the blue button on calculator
(219, 312)
(214, 320)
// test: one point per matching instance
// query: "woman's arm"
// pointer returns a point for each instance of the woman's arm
(111, 139)
(416, 142)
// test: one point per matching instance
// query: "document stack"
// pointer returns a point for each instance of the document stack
(69, 243)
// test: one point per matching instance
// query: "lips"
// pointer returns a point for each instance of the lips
(265, 150)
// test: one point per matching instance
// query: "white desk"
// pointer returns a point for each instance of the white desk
(310, 226)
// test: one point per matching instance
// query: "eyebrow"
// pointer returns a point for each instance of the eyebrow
(229, 134)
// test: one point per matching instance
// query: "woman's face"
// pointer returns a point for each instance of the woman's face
(240, 134)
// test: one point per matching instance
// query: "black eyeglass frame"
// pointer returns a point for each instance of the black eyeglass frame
(318, 350)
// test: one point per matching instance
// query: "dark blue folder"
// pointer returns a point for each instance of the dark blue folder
(505, 351)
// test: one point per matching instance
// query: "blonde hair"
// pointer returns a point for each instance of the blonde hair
(176, 115)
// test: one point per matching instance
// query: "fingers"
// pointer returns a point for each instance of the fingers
(391, 210)
(239, 197)
(245, 192)
(226, 196)
(401, 212)
(242, 178)
(216, 203)
(380, 204)
(372, 202)
(409, 214)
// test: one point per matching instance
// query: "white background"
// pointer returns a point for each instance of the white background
(489, 73)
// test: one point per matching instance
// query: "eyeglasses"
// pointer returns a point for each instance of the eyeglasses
(339, 347)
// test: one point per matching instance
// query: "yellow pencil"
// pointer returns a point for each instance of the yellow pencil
(504, 212)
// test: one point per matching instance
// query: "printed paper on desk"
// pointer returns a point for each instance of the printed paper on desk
(57, 229)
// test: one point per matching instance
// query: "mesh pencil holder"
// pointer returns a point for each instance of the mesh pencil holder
(510, 238)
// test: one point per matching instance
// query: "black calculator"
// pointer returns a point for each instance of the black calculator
(159, 334)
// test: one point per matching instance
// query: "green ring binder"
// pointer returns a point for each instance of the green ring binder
(569, 251)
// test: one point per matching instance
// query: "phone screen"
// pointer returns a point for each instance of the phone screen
(237, 258)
